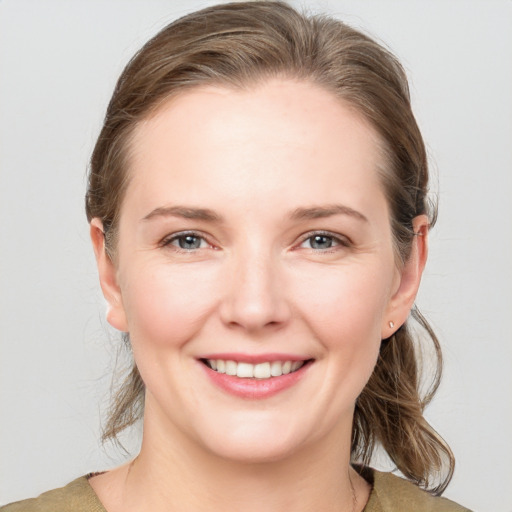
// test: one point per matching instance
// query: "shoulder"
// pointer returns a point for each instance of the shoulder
(391, 493)
(77, 496)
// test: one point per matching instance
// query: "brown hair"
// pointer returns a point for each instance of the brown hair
(236, 45)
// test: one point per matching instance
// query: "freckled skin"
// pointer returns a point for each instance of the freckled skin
(256, 283)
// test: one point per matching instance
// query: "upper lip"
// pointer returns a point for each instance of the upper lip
(255, 358)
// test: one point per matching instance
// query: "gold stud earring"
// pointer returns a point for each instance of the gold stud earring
(391, 324)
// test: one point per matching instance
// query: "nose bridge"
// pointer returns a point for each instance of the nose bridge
(255, 296)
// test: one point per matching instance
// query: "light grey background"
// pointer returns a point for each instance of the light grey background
(58, 64)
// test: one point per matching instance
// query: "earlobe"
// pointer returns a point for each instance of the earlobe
(107, 272)
(403, 298)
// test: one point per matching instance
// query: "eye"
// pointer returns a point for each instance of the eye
(323, 241)
(320, 242)
(186, 241)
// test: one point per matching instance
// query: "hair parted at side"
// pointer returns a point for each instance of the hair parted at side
(238, 45)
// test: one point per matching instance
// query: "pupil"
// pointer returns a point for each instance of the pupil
(321, 242)
(189, 242)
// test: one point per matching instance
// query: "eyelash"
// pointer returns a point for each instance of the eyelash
(168, 241)
(338, 240)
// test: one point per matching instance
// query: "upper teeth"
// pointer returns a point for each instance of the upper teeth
(258, 371)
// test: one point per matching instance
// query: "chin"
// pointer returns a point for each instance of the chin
(245, 452)
(250, 442)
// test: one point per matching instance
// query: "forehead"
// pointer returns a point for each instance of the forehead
(281, 135)
(312, 109)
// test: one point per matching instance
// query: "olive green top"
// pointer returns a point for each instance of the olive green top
(389, 494)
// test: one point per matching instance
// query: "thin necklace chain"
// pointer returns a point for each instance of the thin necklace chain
(354, 497)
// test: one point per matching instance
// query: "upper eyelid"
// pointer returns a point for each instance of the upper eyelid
(338, 236)
(173, 236)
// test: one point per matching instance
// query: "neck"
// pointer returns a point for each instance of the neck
(172, 473)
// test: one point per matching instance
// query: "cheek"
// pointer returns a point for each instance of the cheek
(166, 305)
(345, 315)
(347, 302)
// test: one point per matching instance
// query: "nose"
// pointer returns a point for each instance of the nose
(254, 297)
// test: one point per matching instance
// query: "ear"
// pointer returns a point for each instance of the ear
(409, 279)
(108, 277)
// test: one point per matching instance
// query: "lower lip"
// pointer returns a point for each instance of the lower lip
(255, 389)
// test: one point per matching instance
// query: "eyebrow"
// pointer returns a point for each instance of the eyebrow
(205, 214)
(185, 212)
(319, 212)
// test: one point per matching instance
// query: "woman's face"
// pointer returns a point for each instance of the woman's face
(254, 239)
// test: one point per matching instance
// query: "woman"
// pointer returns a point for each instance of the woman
(258, 209)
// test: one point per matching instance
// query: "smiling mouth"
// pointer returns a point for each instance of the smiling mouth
(266, 370)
